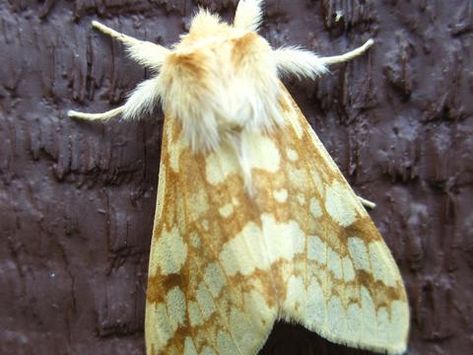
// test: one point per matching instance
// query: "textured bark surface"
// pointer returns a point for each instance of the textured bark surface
(77, 200)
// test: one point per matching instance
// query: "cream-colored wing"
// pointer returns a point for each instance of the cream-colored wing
(346, 285)
(209, 289)
(227, 259)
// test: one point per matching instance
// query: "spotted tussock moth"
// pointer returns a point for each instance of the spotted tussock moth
(254, 222)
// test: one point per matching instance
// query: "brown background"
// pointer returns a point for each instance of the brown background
(77, 199)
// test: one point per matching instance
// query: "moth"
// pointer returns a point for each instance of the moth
(254, 221)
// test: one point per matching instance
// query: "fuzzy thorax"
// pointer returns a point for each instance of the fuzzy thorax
(220, 81)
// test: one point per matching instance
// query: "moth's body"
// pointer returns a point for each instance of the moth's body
(254, 222)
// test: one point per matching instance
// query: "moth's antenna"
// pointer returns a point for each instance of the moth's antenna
(248, 15)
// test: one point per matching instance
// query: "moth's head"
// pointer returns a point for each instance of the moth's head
(222, 78)
(219, 78)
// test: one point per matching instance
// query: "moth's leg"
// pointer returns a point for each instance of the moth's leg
(127, 40)
(349, 55)
(345, 58)
(96, 116)
(366, 203)
(146, 53)
(303, 63)
(141, 101)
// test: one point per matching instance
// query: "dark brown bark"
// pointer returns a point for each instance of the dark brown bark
(77, 199)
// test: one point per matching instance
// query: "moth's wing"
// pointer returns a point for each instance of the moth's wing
(210, 289)
(346, 285)
(225, 265)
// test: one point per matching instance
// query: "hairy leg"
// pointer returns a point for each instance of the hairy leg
(367, 203)
(127, 40)
(349, 55)
(144, 52)
(96, 116)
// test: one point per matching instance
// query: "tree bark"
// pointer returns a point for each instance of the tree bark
(77, 199)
